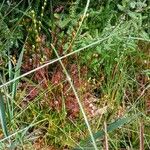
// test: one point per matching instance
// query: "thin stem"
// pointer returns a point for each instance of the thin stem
(78, 100)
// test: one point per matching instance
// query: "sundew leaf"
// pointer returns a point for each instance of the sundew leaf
(113, 126)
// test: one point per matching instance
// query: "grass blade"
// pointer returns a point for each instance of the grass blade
(113, 126)
(17, 73)
(13, 87)
(2, 115)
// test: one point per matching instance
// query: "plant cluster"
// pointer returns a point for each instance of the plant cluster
(95, 79)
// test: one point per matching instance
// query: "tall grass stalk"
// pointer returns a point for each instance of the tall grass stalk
(62, 57)
(78, 100)
(56, 60)
(80, 23)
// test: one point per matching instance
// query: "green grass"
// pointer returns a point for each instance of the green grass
(74, 74)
